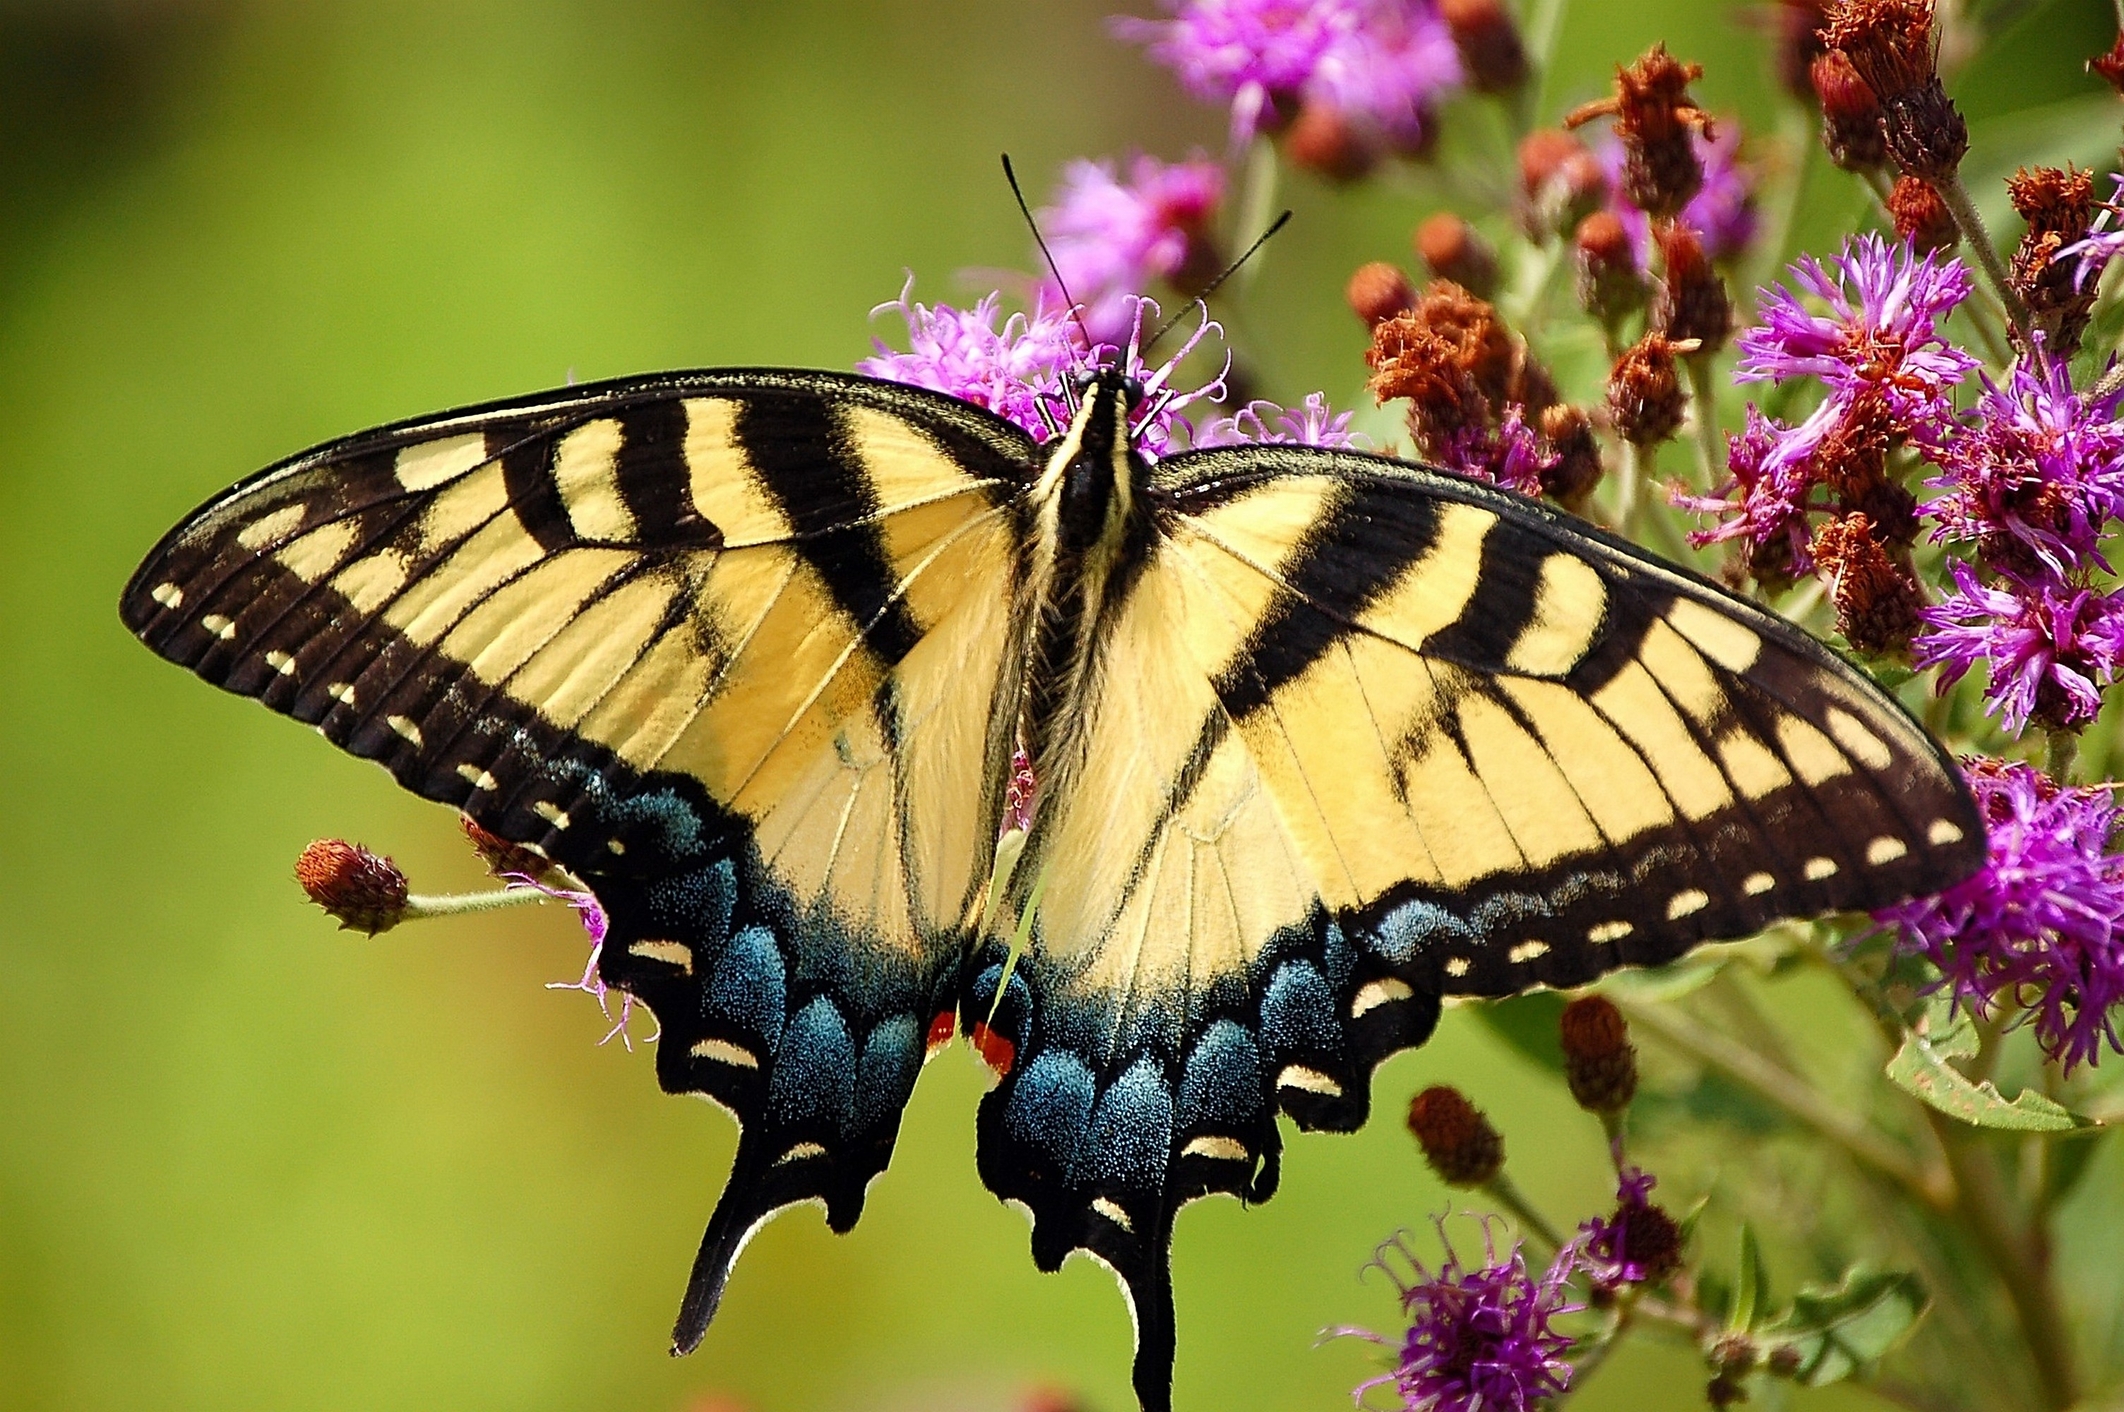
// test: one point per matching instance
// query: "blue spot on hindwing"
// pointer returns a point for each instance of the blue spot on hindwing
(1051, 1106)
(749, 987)
(1221, 1087)
(1132, 1134)
(1336, 958)
(814, 1077)
(892, 1058)
(698, 903)
(1414, 928)
(1298, 1012)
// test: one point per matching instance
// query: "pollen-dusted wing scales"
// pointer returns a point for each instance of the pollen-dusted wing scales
(1368, 737)
(725, 646)
(1320, 739)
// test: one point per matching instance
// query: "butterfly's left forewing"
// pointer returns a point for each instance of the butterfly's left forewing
(727, 647)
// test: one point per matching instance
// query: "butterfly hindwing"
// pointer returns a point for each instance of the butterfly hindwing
(1368, 737)
(723, 645)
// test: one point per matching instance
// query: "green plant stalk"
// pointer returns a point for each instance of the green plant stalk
(2061, 750)
(1955, 196)
(1703, 384)
(1536, 1226)
(453, 904)
(1798, 1099)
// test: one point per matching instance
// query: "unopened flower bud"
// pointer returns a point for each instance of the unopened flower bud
(1457, 1140)
(1921, 217)
(1570, 481)
(1851, 115)
(1324, 141)
(1452, 250)
(503, 858)
(1560, 182)
(2109, 67)
(1735, 1353)
(1600, 1063)
(2059, 205)
(1725, 1391)
(1610, 286)
(1655, 119)
(1691, 298)
(1488, 41)
(1785, 1360)
(1877, 597)
(1412, 360)
(1890, 44)
(1378, 291)
(364, 891)
(1645, 397)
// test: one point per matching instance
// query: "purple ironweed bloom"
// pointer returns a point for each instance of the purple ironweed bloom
(1381, 62)
(595, 925)
(1722, 213)
(1639, 1244)
(1112, 238)
(1510, 454)
(1311, 424)
(1480, 1339)
(2102, 243)
(1881, 331)
(2040, 928)
(1016, 371)
(2051, 644)
(1767, 498)
(2036, 471)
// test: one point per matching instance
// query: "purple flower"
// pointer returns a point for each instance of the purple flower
(2101, 244)
(1381, 62)
(1510, 454)
(1880, 331)
(595, 925)
(2038, 927)
(2051, 646)
(1767, 498)
(1111, 239)
(1639, 1244)
(1016, 371)
(1479, 1339)
(1312, 424)
(1159, 426)
(2037, 466)
(1722, 213)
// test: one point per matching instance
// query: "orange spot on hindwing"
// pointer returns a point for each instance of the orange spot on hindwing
(941, 1029)
(999, 1052)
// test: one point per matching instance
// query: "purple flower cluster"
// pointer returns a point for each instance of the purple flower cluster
(1112, 238)
(2040, 928)
(1311, 424)
(1638, 1244)
(1480, 1338)
(1380, 64)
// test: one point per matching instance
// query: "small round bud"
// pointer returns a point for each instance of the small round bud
(1691, 298)
(1452, 250)
(1851, 115)
(1457, 1140)
(1610, 286)
(1655, 119)
(1921, 217)
(1725, 1391)
(1734, 1353)
(1560, 182)
(1784, 1361)
(1569, 433)
(1488, 41)
(1379, 291)
(364, 891)
(1324, 141)
(1600, 1063)
(1645, 397)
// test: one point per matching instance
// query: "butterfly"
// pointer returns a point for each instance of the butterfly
(1186, 790)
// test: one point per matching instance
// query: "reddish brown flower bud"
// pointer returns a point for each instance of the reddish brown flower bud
(1452, 250)
(365, 891)
(1570, 481)
(1610, 286)
(1481, 342)
(1488, 41)
(502, 857)
(1851, 115)
(1785, 1361)
(1690, 301)
(1600, 1063)
(1379, 291)
(1645, 397)
(1324, 141)
(1655, 117)
(1876, 596)
(1417, 362)
(1800, 44)
(1889, 43)
(1921, 217)
(2058, 205)
(1457, 1140)
(1651, 1240)
(1560, 182)
(2109, 67)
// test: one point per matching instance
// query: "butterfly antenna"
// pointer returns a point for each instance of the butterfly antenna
(1214, 285)
(1010, 175)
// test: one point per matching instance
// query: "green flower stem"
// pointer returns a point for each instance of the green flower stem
(1987, 319)
(1703, 384)
(1535, 1226)
(1795, 132)
(2061, 751)
(457, 903)
(1538, 37)
(1984, 1210)
(1786, 1091)
(1956, 198)
(1628, 490)
(2112, 380)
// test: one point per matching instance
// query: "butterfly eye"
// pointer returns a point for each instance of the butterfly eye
(1132, 389)
(1082, 382)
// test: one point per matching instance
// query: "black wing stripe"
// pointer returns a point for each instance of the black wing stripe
(800, 449)
(527, 471)
(653, 478)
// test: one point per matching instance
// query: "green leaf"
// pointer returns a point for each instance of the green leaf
(1921, 1069)
(1841, 1331)
(2103, 334)
(1665, 983)
(1529, 1024)
(1750, 1284)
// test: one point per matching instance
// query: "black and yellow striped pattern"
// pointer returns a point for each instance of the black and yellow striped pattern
(1320, 739)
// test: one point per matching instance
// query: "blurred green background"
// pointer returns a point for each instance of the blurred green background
(249, 1162)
